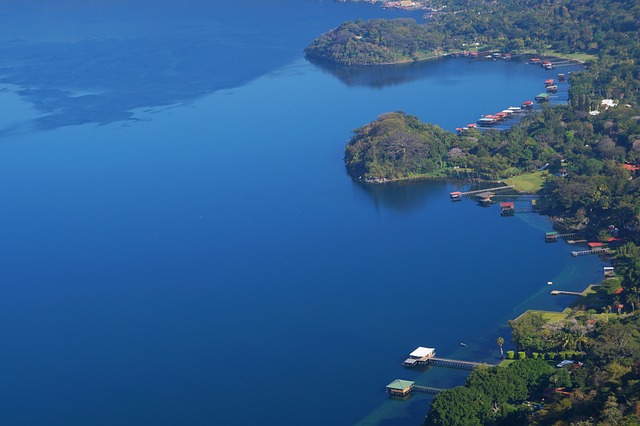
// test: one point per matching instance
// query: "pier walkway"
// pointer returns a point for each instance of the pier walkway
(426, 389)
(554, 236)
(565, 293)
(456, 363)
(480, 191)
(588, 252)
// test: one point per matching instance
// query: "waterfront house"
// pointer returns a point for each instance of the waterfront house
(419, 356)
(400, 387)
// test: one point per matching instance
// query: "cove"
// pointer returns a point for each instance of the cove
(197, 255)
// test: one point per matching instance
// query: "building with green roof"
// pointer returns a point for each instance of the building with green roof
(400, 387)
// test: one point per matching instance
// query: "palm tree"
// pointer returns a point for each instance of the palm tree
(500, 343)
(633, 296)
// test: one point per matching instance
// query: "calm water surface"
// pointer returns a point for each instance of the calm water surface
(181, 244)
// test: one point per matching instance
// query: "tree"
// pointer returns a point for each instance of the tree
(500, 343)
(459, 406)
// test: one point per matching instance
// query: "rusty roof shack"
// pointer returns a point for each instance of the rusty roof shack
(507, 208)
(485, 198)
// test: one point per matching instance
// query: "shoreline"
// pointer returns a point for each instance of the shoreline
(479, 56)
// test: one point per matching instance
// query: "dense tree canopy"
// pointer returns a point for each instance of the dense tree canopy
(602, 26)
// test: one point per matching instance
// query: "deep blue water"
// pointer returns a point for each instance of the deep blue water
(181, 244)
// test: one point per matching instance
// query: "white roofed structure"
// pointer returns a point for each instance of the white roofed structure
(423, 352)
(419, 356)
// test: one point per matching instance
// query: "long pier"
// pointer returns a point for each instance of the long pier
(565, 293)
(588, 252)
(426, 389)
(554, 236)
(518, 196)
(480, 191)
(456, 363)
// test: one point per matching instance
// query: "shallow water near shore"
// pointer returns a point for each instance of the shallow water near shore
(181, 244)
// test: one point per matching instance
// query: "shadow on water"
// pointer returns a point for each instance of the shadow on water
(98, 62)
(400, 196)
(104, 80)
(380, 76)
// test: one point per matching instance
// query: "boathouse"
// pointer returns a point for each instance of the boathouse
(542, 97)
(608, 271)
(455, 195)
(549, 82)
(400, 387)
(551, 236)
(507, 208)
(593, 246)
(419, 356)
(485, 198)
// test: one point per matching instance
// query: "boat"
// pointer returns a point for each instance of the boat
(464, 345)
(549, 282)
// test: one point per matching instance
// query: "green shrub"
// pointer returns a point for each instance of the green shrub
(535, 355)
(551, 355)
(542, 355)
(510, 354)
(563, 355)
(522, 355)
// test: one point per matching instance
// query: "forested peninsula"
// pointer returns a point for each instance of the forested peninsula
(581, 366)
(514, 26)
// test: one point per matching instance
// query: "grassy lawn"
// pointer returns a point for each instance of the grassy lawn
(551, 316)
(506, 362)
(576, 56)
(528, 182)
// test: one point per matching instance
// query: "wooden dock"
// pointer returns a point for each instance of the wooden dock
(456, 363)
(488, 190)
(426, 389)
(589, 252)
(565, 293)
(520, 197)
(554, 236)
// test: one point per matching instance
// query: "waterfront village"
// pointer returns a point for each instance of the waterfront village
(578, 163)
(402, 4)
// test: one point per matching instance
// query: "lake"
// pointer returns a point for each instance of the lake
(182, 245)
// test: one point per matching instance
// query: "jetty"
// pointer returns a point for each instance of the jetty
(480, 191)
(554, 235)
(602, 250)
(594, 248)
(456, 363)
(427, 356)
(565, 293)
(404, 388)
